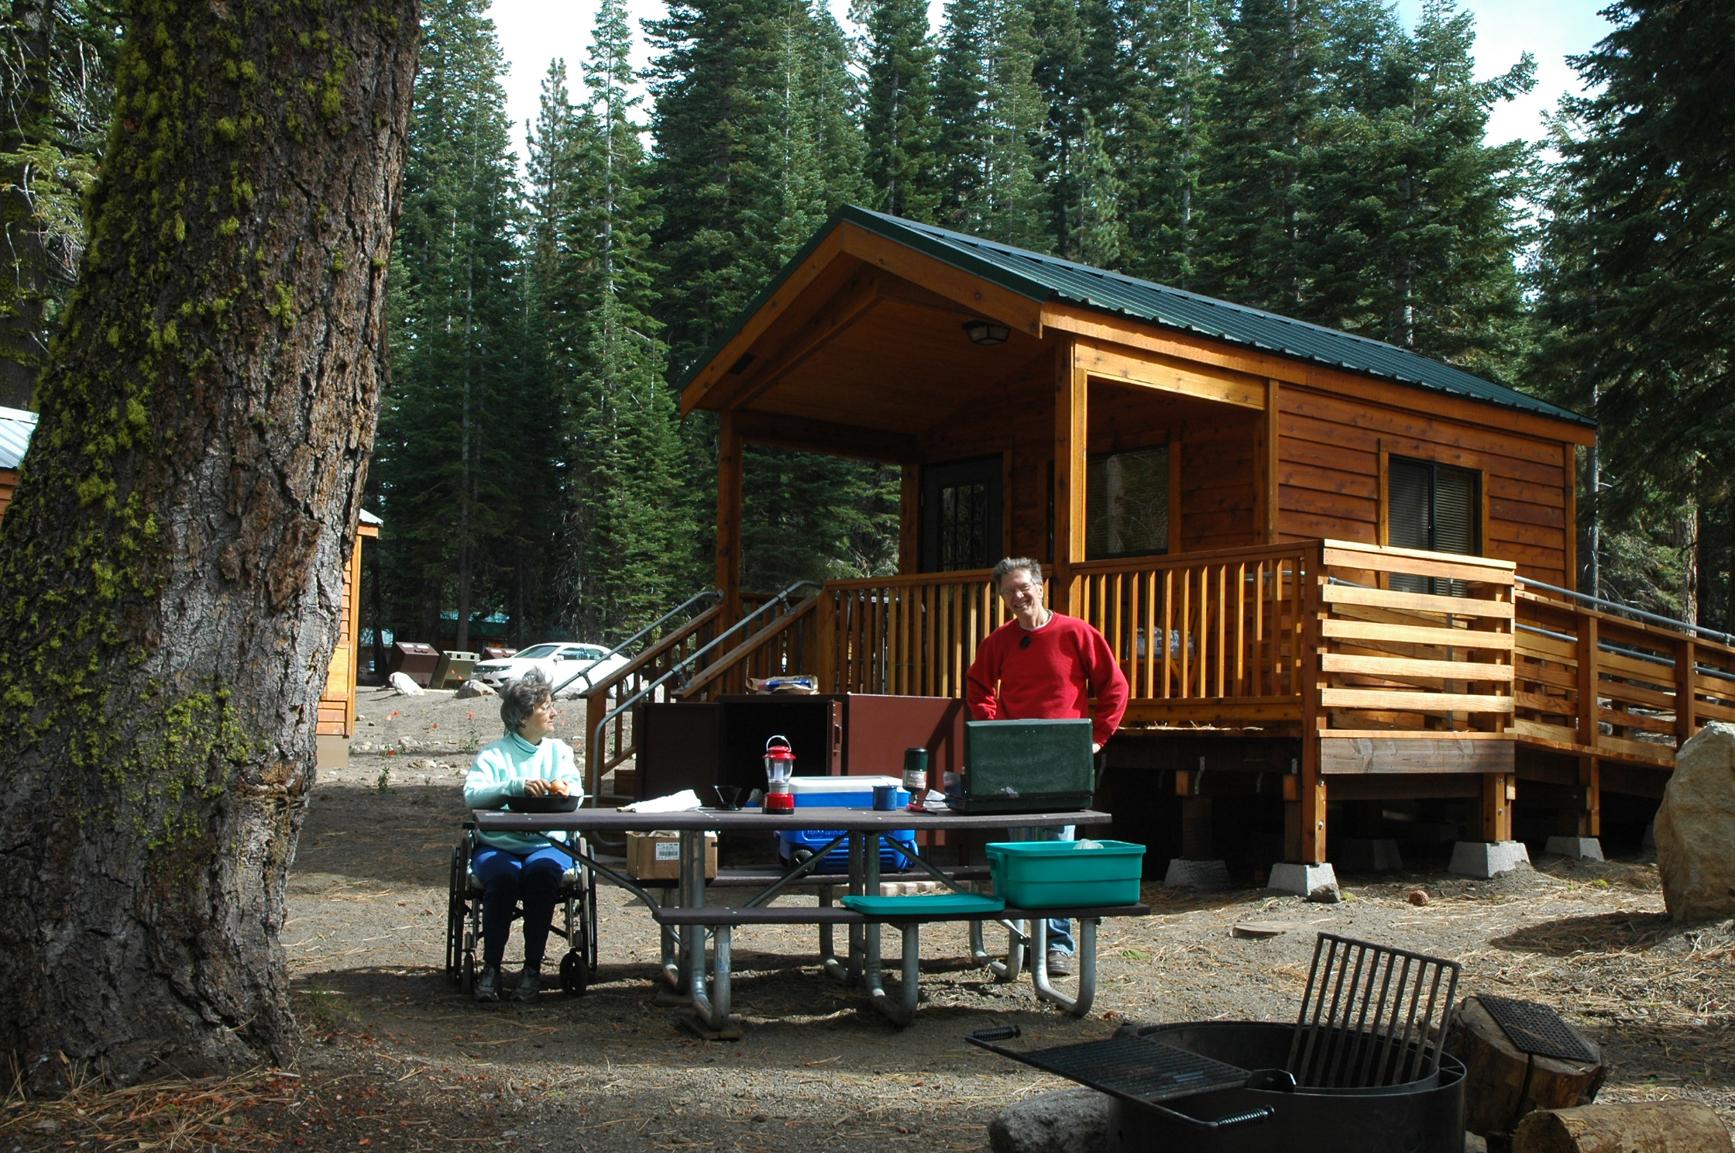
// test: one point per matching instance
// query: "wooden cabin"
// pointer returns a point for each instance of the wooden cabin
(337, 702)
(1334, 570)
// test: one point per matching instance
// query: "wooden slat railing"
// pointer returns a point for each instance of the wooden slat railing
(1595, 683)
(1390, 659)
(1207, 638)
(912, 635)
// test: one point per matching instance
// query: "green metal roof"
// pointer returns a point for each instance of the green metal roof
(1046, 278)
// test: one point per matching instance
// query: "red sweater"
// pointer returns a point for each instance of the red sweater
(1053, 677)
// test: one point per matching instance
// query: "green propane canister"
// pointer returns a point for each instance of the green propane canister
(916, 773)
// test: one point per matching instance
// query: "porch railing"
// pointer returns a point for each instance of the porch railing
(911, 635)
(1593, 682)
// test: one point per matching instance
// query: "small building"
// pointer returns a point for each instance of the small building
(337, 702)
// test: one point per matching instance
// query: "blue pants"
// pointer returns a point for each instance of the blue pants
(507, 878)
(1059, 929)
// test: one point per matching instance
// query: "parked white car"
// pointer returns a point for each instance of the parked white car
(559, 661)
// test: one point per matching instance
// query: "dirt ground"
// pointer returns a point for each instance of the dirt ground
(393, 1057)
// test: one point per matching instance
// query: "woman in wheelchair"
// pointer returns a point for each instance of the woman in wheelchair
(529, 761)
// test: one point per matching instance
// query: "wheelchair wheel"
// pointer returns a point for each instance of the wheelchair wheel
(573, 975)
(457, 910)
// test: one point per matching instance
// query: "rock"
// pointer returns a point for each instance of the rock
(1326, 894)
(474, 689)
(1695, 827)
(1418, 897)
(1064, 1121)
(405, 685)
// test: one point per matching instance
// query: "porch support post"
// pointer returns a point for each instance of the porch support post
(1071, 425)
(1304, 824)
(729, 516)
(1268, 467)
(909, 519)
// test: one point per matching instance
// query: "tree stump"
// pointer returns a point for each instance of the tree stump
(1502, 1083)
(1651, 1126)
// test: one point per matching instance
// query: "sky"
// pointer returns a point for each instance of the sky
(533, 32)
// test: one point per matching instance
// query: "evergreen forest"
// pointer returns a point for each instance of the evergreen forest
(1311, 157)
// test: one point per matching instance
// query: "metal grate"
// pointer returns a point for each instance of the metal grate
(1536, 1029)
(1134, 1068)
(1371, 1016)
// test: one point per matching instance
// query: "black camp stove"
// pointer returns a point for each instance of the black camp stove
(1363, 1068)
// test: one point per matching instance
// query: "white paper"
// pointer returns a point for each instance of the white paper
(681, 802)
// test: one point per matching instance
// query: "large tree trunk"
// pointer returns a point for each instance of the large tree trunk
(172, 565)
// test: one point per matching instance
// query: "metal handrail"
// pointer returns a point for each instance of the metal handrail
(678, 611)
(1605, 605)
(780, 603)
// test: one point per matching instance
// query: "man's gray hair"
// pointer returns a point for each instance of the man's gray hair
(1013, 564)
(523, 697)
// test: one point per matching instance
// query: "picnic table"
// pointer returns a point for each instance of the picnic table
(681, 910)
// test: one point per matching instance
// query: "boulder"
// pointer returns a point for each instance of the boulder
(1064, 1121)
(1695, 827)
(474, 689)
(404, 685)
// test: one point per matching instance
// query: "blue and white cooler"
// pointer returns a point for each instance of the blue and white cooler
(796, 845)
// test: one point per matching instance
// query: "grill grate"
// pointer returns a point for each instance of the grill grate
(1134, 1068)
(1536, 1029)
(1372, 1016)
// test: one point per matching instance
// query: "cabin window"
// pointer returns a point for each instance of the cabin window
(1127, 503)
(1436, 507)
(961, 515)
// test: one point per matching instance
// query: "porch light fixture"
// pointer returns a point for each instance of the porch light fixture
(986, 332)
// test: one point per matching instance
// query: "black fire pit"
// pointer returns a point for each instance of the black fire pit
(1425, 1116)
(1362, 1069)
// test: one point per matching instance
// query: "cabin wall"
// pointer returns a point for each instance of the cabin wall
(8, 486)
(1330, 456)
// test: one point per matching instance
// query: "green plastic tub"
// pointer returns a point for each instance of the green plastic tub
(1062, 874)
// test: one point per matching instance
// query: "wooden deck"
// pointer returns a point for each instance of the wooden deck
(1389, 667)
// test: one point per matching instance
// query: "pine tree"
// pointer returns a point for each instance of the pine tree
(898, 120)
(624, 448)
(1013, 206)
(1158, 134)
(1414, 238)
(753, 150)
(1254, 193)
(458, 454)
(1637, 260)
(960, 95)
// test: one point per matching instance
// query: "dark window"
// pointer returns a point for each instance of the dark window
(1127, 503)
(1435, 507)
(961, 515)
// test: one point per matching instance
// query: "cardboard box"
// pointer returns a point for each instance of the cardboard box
(656, 856)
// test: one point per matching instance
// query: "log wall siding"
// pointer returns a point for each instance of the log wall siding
(1329, 480)
(8, 486)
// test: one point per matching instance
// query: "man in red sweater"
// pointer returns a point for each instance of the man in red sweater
(1044, 665)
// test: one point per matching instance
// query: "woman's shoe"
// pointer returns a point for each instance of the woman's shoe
(488, 983)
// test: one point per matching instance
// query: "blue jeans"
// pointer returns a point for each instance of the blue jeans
(507, 878)
(1059, 929)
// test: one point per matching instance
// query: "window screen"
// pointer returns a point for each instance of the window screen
(1436, 507)
(1127, 503)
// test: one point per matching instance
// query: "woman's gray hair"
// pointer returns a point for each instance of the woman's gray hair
(1013, 564)
(523, 697)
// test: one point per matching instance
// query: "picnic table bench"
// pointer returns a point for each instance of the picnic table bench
(704, 973)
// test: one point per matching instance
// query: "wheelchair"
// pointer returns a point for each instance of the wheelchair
(574, 920)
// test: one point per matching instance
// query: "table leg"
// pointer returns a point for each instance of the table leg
(1078, 1005)
(903, 1010)
(710, 1007)
(1018, 936)
(871, 932)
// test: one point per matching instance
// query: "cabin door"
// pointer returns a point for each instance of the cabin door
(961, 515)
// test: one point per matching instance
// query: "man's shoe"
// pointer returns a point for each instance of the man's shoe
(488, 983)
(1059, 964)
(529, 984)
